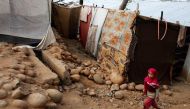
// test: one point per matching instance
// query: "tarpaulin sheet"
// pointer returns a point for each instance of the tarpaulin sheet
(116, 39)
(151, 52)
(26, 22)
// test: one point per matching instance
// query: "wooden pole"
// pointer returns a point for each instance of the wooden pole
(81, 2)
(123, 4)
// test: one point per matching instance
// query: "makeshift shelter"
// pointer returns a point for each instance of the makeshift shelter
(66, 19)
(167, 55)
(26, 22)
(153, 52)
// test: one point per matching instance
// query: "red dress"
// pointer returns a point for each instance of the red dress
(150, 87)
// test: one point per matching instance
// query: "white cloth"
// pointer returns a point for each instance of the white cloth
(98, 20)
(85, 11)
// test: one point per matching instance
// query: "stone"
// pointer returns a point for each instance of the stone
(80, 86)
(87, 63)
(75, 77)
(7, 87)
(139, 87)
(119, 95)
(168, 92)
(3, 103)
(131, 88)
(91, 92)
(98, 78)
(22, 77)
(37, 100)
(19, 104)
(115, 87)
(51, 105)
(108, 82)
(55, 95)
(3, 94)
(123, 86)
(17, 93)
(92, 71)
(165, 87)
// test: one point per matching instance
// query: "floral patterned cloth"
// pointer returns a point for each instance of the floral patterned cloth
(116, 39)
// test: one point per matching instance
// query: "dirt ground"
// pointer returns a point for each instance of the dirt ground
(19, 70)
(73, 99)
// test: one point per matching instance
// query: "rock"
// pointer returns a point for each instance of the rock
(91, 92)
(22, 77)
(3, 94)
(87, 63)
(132, 84)
(108, 82)
(19, 104)
(31, 73)
(90, 77)
(80, 86)
(71, 65)
(116, 78)
(119, 94)
(168, 92)
(15, 83)
(7, 86)
(116, 105)
(3, 103)
(76, 71)
(123, 86)
(55, 95)
(139, 87)
(75, 77)
(92, 71)
(165, 87)
(115, 87)
(16, 94)
(130, 87)
(51, 105)
(37, 100)
(86, 72)
(98, 78)
(131, 103)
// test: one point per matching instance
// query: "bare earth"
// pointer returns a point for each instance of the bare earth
(74, 95)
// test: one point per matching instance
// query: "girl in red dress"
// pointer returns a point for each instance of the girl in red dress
(151, 89)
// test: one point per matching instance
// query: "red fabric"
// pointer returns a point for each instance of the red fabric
(152, 71)
(83, 29)
(150, 84)
(148, 102)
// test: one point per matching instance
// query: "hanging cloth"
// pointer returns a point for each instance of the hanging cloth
(181, 36)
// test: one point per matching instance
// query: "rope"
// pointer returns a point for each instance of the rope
(166, 28)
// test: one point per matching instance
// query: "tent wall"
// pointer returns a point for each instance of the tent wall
(151, 52)
(186, 68)
(24, 21)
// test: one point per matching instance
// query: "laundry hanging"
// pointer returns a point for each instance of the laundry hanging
(115, 40)
(95, 30)
(87, 13)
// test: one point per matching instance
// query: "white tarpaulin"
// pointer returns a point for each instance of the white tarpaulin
(26, 22)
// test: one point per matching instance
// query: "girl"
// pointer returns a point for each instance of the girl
(151, 87)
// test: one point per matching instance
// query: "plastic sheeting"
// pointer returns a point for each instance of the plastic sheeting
(28, 20)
